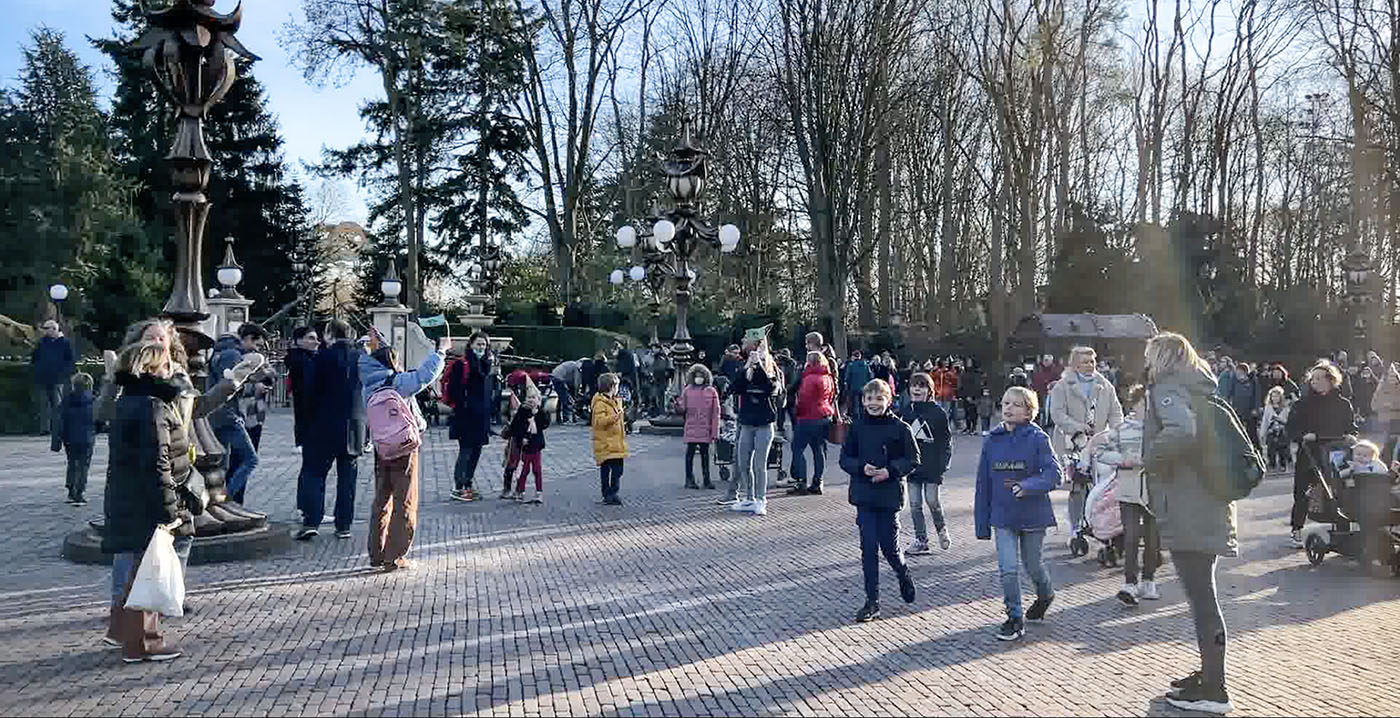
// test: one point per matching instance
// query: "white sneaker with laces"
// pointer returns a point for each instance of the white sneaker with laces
(1295, 539)
(917, 548)
(760, 508)
(743, 506)
(1128, 594)
(944, 540)
(1148, 591)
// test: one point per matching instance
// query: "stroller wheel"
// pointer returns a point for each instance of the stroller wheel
(1079, 546)
(1102, 557)
(1316, 548)
(1111, 556)
(724, 473)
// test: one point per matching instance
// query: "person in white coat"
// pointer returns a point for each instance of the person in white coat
(1082, 402)
(1273, 429)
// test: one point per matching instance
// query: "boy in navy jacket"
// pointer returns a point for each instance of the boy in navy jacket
(75, 432)
(933, 434)
(1017, 471)
(878, 454)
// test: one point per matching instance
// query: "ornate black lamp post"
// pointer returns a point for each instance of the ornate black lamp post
(679, 231)
(1356, 268)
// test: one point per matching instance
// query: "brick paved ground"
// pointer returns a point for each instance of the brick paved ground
(666, 606)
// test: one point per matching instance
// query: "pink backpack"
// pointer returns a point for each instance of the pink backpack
(392, 423)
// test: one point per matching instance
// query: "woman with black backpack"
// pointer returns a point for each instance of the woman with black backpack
(1196, 525)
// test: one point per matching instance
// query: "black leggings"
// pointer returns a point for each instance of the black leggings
(691, 450)
(610, 476)
(1197, 574)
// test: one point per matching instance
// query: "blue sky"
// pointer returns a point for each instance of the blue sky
(311, 117)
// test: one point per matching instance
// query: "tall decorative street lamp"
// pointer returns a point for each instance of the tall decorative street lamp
(301, 269)
(391, 286)
(58, 293)
(679, 231)
(1356, 271)
(229, 272)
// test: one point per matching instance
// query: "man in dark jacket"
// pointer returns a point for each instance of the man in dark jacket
(1245, 397)
(52, 363)
(337, 434)
(75, 432)
(853, 380)
(227, 421)
(305, 343)
(879, 454)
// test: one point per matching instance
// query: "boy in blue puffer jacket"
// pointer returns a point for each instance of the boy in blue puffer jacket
(1017, 471)
(878, 454)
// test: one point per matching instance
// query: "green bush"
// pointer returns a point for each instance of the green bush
(18, 414)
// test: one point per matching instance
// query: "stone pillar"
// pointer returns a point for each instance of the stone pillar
(227, 314)
(392, 322)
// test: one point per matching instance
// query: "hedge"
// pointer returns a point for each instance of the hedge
(18, 413)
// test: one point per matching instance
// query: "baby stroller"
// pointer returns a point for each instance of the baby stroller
(1103, 521)
(1355, 516)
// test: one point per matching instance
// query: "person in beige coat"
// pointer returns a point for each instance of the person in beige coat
(1081, 388)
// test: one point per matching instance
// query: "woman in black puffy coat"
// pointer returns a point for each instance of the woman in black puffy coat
(147, 467)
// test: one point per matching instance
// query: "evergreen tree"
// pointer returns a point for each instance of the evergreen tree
(67, 210)
(1088, 270)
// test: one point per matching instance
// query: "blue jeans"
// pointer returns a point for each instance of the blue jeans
(124, 565)
(751, 477)
(242, 457)
(1028, 543)
(809, 433)
(879, 533)
(921, 493)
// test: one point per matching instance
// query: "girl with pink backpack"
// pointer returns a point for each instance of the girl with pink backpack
(396, 427)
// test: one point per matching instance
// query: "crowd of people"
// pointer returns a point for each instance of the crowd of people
(894, 427)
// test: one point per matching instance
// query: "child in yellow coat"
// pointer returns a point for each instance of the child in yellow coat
(609, 437)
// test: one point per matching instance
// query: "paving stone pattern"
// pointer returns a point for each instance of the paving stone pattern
(668, 605)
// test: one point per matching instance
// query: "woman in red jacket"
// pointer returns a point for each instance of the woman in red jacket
(945, 387)
(816, 406)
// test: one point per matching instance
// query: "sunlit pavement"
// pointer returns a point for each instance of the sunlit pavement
(668, 605)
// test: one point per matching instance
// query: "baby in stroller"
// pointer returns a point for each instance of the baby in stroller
(1353, 504)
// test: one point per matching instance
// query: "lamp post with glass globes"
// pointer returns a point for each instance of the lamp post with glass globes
(301, 269)
(679, 231)
(57, 294)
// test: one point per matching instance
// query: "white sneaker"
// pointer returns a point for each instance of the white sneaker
(743, 506)
(918, 548)
(1128, 594)
(1295, 539)
(1148, 591)
(760, 508)
(944, 540)
(986, 433)
(297, 450)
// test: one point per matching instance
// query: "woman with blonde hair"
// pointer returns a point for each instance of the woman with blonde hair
(1195, 525)
(756, 385)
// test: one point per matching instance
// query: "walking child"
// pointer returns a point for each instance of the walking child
(1015, 476)
(879, 454)
(609, 437)
(984, 411)
(527, 429)
(510, 453)
(1121, 448)
(929, 423)
(74, 431)
(701, 406)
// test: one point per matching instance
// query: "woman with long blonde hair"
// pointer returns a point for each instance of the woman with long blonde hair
(1195, 525)
(757, 386)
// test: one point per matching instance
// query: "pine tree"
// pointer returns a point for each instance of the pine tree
(67, 205)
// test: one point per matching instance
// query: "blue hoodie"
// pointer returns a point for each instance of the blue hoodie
(228, 351)
(1020, 455)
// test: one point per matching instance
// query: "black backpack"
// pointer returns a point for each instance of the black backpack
(1229, 462)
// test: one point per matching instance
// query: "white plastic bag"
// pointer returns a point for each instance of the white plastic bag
(160, 581)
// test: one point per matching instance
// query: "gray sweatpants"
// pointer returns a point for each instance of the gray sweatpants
(1197, 573)
(751, 462)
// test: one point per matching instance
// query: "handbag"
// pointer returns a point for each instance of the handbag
(160, 581)
(839, 428)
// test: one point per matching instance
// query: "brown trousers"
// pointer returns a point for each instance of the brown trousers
(394, 516)
(138, 631)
